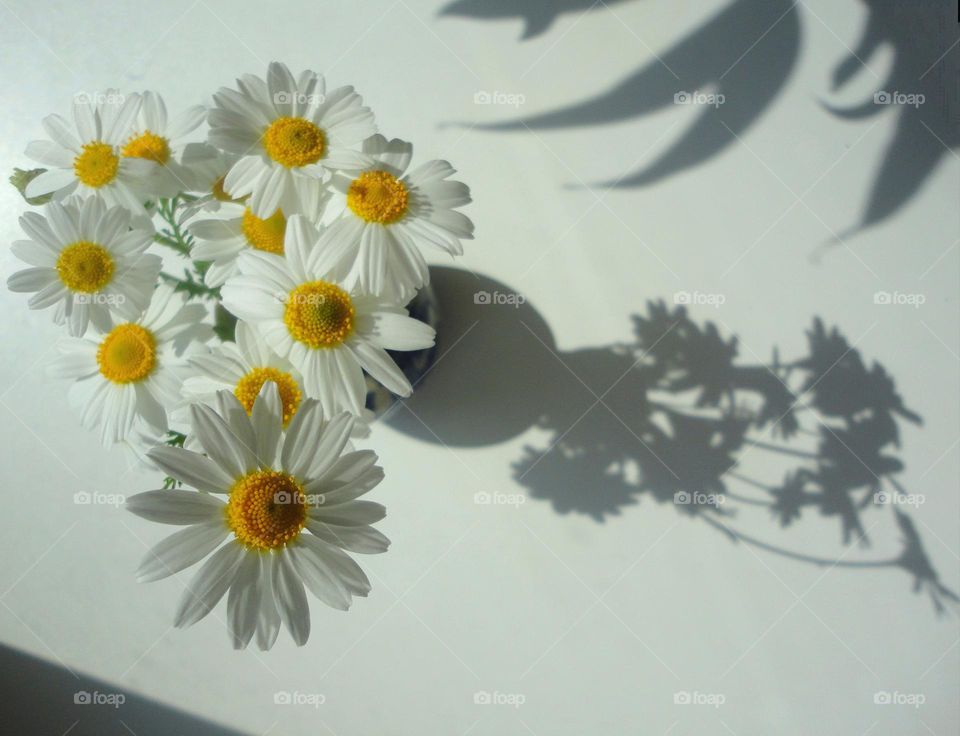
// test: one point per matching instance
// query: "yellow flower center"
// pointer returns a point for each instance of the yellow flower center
(266, 509)
(149, 146)
(294, 142)
(96, 165)
(85, 267)
(265, 234)
(248, 388)
(319, 314)
(127, 354)
(378, 196)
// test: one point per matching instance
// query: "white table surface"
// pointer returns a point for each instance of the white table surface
(596, 624)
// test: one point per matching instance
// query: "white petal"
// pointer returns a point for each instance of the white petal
(399, 332)
(60, 131)
(302, 435)
(319, 457)
(32, 279)
(223, 447)
(176, 507)
(229, 407)
(352, 513)
(291, 600)
(337, 563)
(317, 573)
(361, 539)
(180, 550)
(353, 475)
(209, 584)
(50, 181)
(188, 121)
(266, 197)
(191, 468)
(267, 421)
(243, 601)
(49, 153)
(378, 364)
(268, 622)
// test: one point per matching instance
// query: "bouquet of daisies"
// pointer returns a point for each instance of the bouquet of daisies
(245, 368)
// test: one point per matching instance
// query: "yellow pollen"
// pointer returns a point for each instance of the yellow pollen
(85, 267)
(248, 388)
(293, 142)
(265, 234)
(149, 146)
(378, 196)
(319, 314)
(267, 509)
(96, 165)
(127, 354)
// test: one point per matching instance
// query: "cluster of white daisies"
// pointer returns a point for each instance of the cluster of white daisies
(297, 219)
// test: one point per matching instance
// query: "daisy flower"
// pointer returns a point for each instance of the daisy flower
(222, 241)
(329, 333)
(289, 133)
(154, 139)
(127, 378)
(205, 168)
(286, 505)
(243, 367)
(390, 216)
(88, 261)
(86, 158)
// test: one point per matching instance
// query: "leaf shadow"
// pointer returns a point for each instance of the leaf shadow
(668, 417)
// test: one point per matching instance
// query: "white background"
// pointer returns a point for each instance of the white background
(597, 624)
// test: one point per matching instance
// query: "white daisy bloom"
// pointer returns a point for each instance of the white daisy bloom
(242, 367)
(86, 158)
(289, 512)
(127, 379)
(88, 261)
(155, 139)
(330, 334)
(390, 216)
(222, 241)
(290, 133)
(204, 168)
